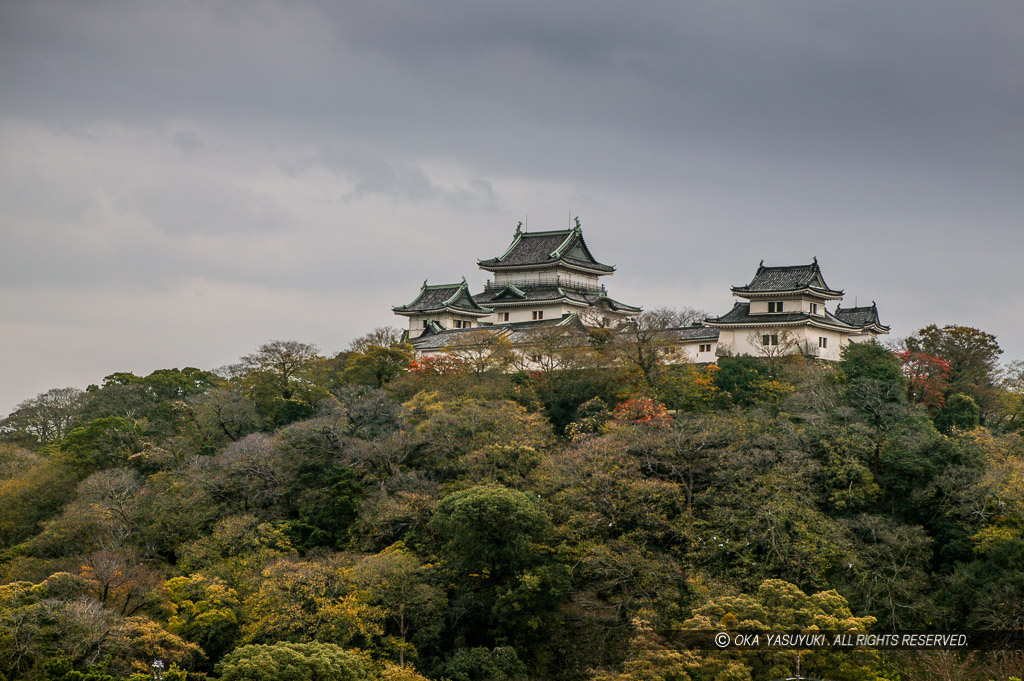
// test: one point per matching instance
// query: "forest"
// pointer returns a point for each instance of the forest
(368, 515)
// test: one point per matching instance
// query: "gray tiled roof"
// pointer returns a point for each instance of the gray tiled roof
(694, 333)
(861, 316)
(441, 296)
(787, 278)
(541, 294)
(515, 332)
(542, 248)
(740, 314)
(531, 295)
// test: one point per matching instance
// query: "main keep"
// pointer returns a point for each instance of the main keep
(548, 279)
(541, 277)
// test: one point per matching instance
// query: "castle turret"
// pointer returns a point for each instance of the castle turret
(446, 306)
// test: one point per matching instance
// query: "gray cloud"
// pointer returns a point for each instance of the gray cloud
(179, 160)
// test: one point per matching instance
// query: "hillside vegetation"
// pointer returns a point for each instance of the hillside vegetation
(367, 516)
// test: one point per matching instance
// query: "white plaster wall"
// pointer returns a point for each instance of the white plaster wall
(689, 351)
(446, 320)
(525, 313)
(795, 304)
(741, 343)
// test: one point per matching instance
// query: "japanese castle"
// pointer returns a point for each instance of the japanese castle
(551, 279)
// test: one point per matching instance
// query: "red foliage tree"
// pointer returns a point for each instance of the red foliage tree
(436, 365)
(927, 376)
(642, 411)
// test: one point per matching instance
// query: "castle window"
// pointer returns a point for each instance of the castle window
(503, 316)
(822, 342)
(769, 340)
(775, 306)
(705, 348)
(538, 314)
(814, 308)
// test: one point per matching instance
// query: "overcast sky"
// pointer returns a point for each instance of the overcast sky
(182, 181)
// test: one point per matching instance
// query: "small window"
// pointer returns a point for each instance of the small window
(503, 316)
(538, 314)
(822, 342)
(705, 348)
(814, 308)
(775, 306)
(769, 340)
(536, 358)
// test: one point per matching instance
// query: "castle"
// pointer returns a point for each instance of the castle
(551, 279)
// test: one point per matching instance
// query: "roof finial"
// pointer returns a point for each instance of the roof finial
(463, 279)
(578, 226)
(424, 283)
(815, 260)
(519, 228)
(762, 264)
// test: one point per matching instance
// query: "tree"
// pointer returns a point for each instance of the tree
(780, 342)
(204, 610)
(47, 417)
(643, 341)
(221, 415)
(281, 363)
(399, 584)
(278, 381)
(650, 658)
(495, 546)
(481, 351)
(285, 661)
(782, 607)
(311, 600)
(960, 411)
(491, 532)
(380, 337)
(552, 348)
(104, 443)
(378, 365)
(927, 378)
(973, 357)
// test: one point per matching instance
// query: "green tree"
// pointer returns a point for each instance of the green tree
(204, 610)
(495, 546)
(45, 418)
(286, 661)
(960, 411)
(973, 357)
(401, 586)
(277, 379)
(104, 443)
(311, 600)
(378, 365)
(782, 607)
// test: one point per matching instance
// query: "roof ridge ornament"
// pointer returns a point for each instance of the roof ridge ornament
(519, 228)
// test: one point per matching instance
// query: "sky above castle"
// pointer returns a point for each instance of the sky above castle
(183, 181)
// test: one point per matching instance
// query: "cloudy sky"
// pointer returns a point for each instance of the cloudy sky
(181, 181)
